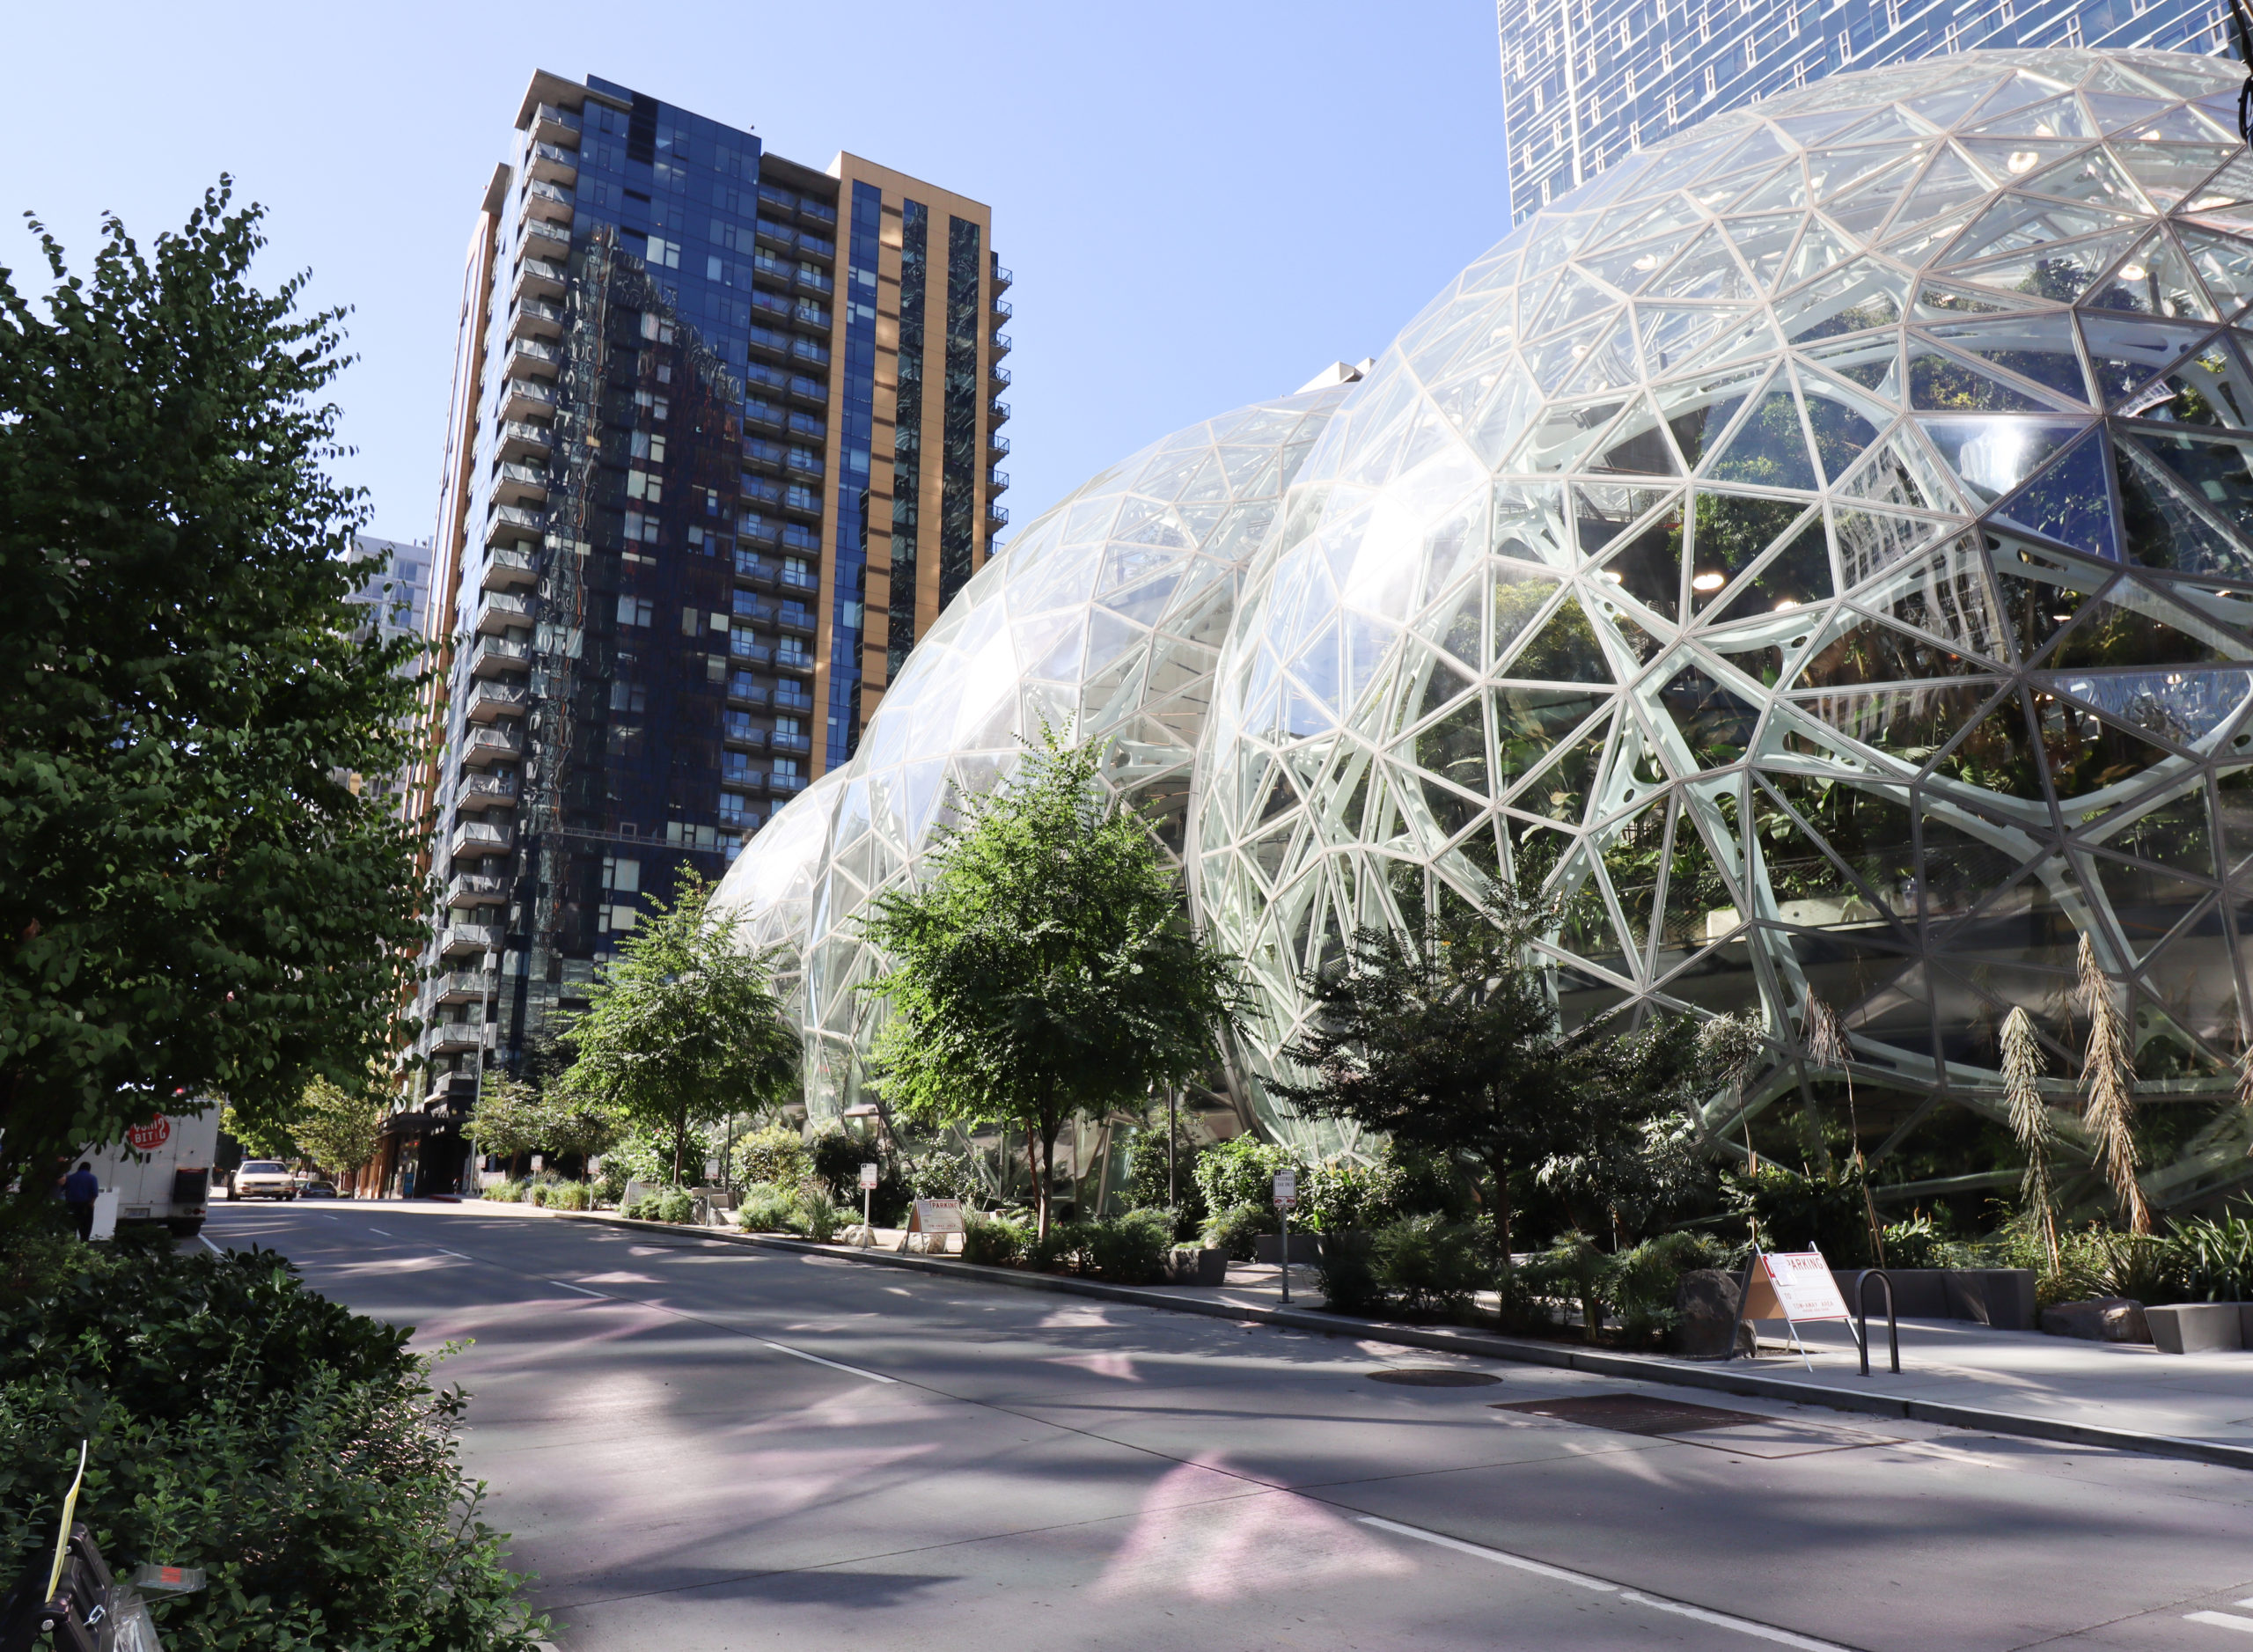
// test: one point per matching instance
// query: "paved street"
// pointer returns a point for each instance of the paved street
(703, 1446)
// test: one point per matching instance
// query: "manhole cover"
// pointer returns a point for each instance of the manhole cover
(1426, 1377)
(1634, 1414)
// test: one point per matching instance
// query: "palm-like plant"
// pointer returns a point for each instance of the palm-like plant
(2031, 1124)
(2108, 1078)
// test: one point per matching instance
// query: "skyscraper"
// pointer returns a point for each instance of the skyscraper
(1586, 81)
(720, 445)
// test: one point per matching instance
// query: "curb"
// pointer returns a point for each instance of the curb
(1634, 1367)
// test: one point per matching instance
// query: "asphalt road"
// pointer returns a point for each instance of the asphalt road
(701, 1446)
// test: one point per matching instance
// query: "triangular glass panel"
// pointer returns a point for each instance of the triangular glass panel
(2091, 177)
(1908, 724)
(1707, 270)
(1631, 857)
(2067, 501)
(2059, 273)
(1812, 889)
(1867, 652)
(2128, 354)
(1820, 126)
(1821, 248)
(1870, 542)
(1518, 598)
(2165, 1050)
(1574, 299)
(1734, 530)
(1562, 434)
(2225, 264)
(1454, 748)
(2008, 160)
(1630, 267)
(1949, 104)
(2037, 346)
(2213, 470)
(2170, 171)
(2161, 529)
(1886, 126)
(1603, 510)
(1860, 295)
(1959, 868)
(1721, 194)
(2154, 281)
(1642, 646)
(1764, 242)
(2016, 223)
(1637, 445)
(2181, 707)
(1994, 455)
(1897, 472)
(1459, 629)
(1585, 927)
(2175, 833)
(1648, 568)
(2041, 594)
(1564, 650)
(1714, 721)
(1560, 791)
(1670, 335)
(1920, 246)
(2130, 626)
(1943, 594)
(2224, 200)
(1698, 413)
(2088, 753)
(1443, 682)
(2052, 117)
(2174, 126)
(1948, 383)
(2115, 111)
(1768, 448)
(1860, 210)
(1997, 754)
(1786, 189)
(1872, 361)
(1951, 182)
(1798, 574)
(1841, 423)
(1940, 301)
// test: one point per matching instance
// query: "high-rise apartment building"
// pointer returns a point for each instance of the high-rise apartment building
(722, 443)
(1586, 81)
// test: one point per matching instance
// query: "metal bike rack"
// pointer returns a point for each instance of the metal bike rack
(1861, 1317)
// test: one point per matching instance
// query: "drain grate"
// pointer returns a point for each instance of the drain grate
(1635, 1414)
(1429, 1377)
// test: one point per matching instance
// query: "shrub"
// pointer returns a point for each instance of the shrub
(1131, 1250)
(1430, 1265)
(994, 1241)
(1794, 1211)
(1575, 1269)
(1347, 1273)
(776, 1153)
(943, 1173)
(610, 1185)
(1146, 1179)
(1915, 1243)
(766, 1208)
(570, 1196)
(1337, 1195)
(293, 1449)
(818, 1216)
(1236, 1228)
(676, 1204)
(1242, 1172)
(506, 1192)
(835, 1155)
(1063, 1251)
(1644, 1280)
(2216, 1259)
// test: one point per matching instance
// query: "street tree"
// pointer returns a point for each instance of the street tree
(339, 1128)
(514, 1117)
(194, 897)
(1045, 966)
(1445, 1036)
(683, 1027)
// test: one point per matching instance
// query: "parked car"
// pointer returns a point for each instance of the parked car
(265, 1179)
(317, 1190)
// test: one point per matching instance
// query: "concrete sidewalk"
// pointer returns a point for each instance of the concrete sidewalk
(2113, 1395)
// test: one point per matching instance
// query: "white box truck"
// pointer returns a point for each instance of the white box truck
(162, 1170)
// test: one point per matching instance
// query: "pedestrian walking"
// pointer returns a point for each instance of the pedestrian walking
(80, 1188)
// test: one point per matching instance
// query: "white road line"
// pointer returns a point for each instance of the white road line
(2247, 1601)
(800, 1353)
(443, 1252)
(582, 1290)
(385, 1231)
(214, 1249)
(1679, 1608)
(2220, 1620)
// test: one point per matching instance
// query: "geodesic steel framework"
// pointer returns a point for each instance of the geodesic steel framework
(1825, 546)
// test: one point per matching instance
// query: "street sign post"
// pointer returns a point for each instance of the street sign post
(867, 1203)
(1287, 1196)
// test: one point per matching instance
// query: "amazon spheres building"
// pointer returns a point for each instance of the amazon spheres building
(1822, 547)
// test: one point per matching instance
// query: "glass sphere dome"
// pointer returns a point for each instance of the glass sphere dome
(1821, 548)
(1104, 615)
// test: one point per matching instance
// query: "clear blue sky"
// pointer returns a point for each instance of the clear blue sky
(1202, 201)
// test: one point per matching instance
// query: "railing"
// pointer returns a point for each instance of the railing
(530, 433)
(486, 789)
(529, 390)
(997, 516)
(458, 983)
(997, 413)
(503, 602)
(1002, 344)
(792, 616)
(471, 889)
(486, 746)
(533, 267)
(538, 350)
(542, 229)
(540, 310)
(548, 114)
(790, 697)
(560, 156)
(1002, 309)
(490, 699)
(541, 189)
(997, 374)
(786, 782)
(514, 518)
(801, 578)
(496, 654)
(1002, 278)
(797, 743)
(998, 481)
(814, 280)
(524, 475)
(510, 568)
(476, 837)
(997, 443)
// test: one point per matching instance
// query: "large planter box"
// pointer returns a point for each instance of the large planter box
(2199, 1327)
(2002, 1297)
(1186, 1265)
(1305, 1247)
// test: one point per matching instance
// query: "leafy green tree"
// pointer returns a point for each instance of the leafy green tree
(683, 1028)
(514, 1118)
(1448, 1040)
(1045, 966)
(261, 1137)
(193, 897)
(339, 1129)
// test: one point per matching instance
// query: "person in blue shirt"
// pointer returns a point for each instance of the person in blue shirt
(80, 1188)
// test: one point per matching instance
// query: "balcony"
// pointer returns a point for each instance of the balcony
(801, 663)
(1002, 279)
(1001, 346)
(552, 125)
(782, 742)
(490, 699)
(459, 940)
(750, 738)
(510, 569)
(546, 239)
(997, 413)
(533, 358)
(804, 462)
(794, 616)
(996, 446)
(784, 785)
(553, 164)
(477, 837)
(460, 985)
(757, 570)
(997, 374)
(497, 657)
(1001, 309)
(455, 1037)
(801, 578)
(817, 212)
(765, 415)
(503, 611)
(517, 484)
(536, 278)
(742, 777)
(526, 399)
(791, 697)
(474, 889)
(813, 281)
(535, 318)
(997, 517)
(997, 481)
(747, 692)
(550, 202)
(482, 747)
(511, 524)
(519, 440)
(743, 651)
(485, 791)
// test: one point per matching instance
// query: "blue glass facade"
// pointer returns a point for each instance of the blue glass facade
(857, 419)
(1586, 82)
(908, 440)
